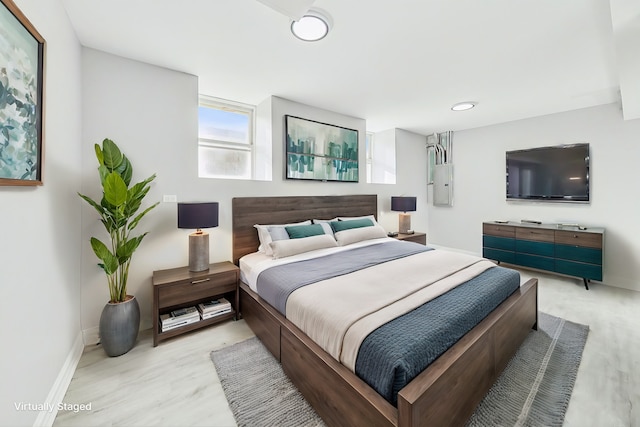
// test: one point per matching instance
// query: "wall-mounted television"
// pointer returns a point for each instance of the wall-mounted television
(559, 174)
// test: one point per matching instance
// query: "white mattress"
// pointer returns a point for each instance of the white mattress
(253, 264)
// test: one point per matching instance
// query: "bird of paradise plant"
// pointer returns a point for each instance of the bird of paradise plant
(118, 213)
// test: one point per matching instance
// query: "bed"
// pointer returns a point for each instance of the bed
(445, 393)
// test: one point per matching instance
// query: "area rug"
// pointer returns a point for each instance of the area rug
(533, 390)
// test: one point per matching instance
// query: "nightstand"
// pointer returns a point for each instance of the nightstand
(178, 287)
(415, 237)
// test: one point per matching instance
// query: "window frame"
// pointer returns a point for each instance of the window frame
(208, 101)
(374, 164)
(369, 138)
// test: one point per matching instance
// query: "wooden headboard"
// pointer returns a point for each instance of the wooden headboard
(248, 211)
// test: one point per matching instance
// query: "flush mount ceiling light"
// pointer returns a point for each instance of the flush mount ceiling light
(461, 106)
(313, 26)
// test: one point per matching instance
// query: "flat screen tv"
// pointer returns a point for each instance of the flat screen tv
(559, 174)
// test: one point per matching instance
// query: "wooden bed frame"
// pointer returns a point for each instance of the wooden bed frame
(446, 393)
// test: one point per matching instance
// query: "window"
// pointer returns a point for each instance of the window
(225, 139)
(368, 144)
(381, 157)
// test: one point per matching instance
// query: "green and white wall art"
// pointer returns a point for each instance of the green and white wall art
(21, 91)
(320, 151)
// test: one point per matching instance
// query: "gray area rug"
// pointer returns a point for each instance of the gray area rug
(258, 391)
(533, 390)
(535, 387)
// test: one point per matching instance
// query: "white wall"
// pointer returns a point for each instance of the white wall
(151, 112)
(479, 184)
(39, 271)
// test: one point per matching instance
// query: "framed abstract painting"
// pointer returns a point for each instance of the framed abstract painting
(320, 151)
(21, 97)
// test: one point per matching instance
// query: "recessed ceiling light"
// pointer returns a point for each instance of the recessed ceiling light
(461, 106)
(313, 26)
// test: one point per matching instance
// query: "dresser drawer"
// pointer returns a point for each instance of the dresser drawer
(196, 288)
(538, 235)
(504, 243)
(585, 255)
(535, 248)
(499, 255)
(579, 269)
(533, 261)
(590, 240)
(498, 230)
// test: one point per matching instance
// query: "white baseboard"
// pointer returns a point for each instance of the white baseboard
(446, 248)
(91, 336)
(620, 282)
(60, 386)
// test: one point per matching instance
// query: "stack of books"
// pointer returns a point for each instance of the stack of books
(178, 318)
(216, 307)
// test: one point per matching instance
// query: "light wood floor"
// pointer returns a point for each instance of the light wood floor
(175, 384)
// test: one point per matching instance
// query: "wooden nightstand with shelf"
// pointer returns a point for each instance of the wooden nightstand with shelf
(415, 237)
(178, 287)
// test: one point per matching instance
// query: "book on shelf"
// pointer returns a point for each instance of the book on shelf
(211, 314)
(215, 305)
(179, 317)
(167, 320)
(184, 312)
(164, 327)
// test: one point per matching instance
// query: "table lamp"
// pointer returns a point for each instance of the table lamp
(404, 205)
(198, 216)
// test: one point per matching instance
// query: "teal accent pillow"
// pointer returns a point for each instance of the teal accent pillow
(348, 225)
(300, 231)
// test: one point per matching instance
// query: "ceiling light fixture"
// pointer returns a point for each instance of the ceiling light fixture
(313, 26)
(462, 106)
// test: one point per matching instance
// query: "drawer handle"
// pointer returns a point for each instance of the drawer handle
(195, 282)
(575, 236)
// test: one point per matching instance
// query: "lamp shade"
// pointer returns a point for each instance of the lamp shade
(198, 215)
(403, 204)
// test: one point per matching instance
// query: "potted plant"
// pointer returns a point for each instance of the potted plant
(120, 318)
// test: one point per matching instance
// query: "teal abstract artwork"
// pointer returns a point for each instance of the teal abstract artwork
(320, 151)
(21, 79)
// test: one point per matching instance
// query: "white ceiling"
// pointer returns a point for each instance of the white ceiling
(398, 64)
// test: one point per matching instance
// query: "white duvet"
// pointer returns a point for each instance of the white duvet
(339, 313)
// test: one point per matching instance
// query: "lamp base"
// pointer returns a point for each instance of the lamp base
(404, 223)
(198, 251)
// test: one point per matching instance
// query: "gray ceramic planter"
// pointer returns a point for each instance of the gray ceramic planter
(119, 324)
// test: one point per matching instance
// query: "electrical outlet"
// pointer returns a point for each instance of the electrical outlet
(172, 198)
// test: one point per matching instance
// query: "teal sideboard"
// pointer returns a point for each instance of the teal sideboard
(549, 247)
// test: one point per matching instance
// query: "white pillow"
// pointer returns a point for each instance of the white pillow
(327, 228)
(285, 248)
(265, 237)
(277, 233)
(322, 221)
(349, 218)
(325, 224)
(354, 235)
